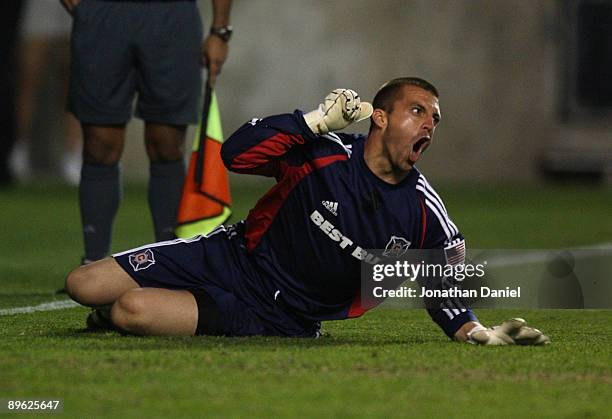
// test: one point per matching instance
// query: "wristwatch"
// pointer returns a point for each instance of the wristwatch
(223, 32)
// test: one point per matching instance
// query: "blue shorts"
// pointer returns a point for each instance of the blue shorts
(218, 266)
(123, 48)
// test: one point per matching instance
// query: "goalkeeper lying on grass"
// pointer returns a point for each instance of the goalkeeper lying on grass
(295, 260)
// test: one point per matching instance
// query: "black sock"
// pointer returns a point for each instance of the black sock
(99, 198)
(165, 188)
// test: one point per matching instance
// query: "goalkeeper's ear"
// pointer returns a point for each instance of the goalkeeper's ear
(379, 118)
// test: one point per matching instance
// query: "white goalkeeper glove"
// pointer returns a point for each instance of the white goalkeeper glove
(340, 108)
(511, 332)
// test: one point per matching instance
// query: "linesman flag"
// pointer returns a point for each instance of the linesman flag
(206, 201)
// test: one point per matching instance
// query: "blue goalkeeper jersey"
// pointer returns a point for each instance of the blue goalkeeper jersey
(309, 233)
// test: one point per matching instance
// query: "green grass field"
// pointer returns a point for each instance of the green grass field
(390, 363)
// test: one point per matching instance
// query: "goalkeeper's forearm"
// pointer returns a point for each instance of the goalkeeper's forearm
(451, 321)
(461, 335)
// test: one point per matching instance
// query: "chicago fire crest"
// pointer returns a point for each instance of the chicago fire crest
(142, 260)
(396, 247)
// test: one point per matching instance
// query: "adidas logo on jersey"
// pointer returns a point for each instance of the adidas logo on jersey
(331, 206)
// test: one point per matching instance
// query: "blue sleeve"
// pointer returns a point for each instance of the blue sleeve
(261, 146)
(443, 234)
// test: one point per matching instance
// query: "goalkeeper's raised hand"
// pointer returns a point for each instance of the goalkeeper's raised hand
(340, 108)
(511, 332)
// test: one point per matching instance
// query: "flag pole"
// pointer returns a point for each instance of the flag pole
(203, 130)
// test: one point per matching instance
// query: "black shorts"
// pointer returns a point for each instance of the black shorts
(241, 302)
(120, 48)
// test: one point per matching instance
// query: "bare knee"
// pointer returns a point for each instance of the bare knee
(98, 283)
(130, 312)
(77, 286)
(164, 143)
(103, 145)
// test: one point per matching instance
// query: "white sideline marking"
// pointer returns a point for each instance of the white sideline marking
(54, 305)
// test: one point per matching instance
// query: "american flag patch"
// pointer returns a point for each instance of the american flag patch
(455, 252)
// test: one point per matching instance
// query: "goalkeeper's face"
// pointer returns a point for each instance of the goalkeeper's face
(410, 127)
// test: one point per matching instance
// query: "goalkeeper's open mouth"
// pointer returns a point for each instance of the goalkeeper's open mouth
(419, 148)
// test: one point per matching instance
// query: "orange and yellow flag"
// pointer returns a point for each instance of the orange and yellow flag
(206, 200)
